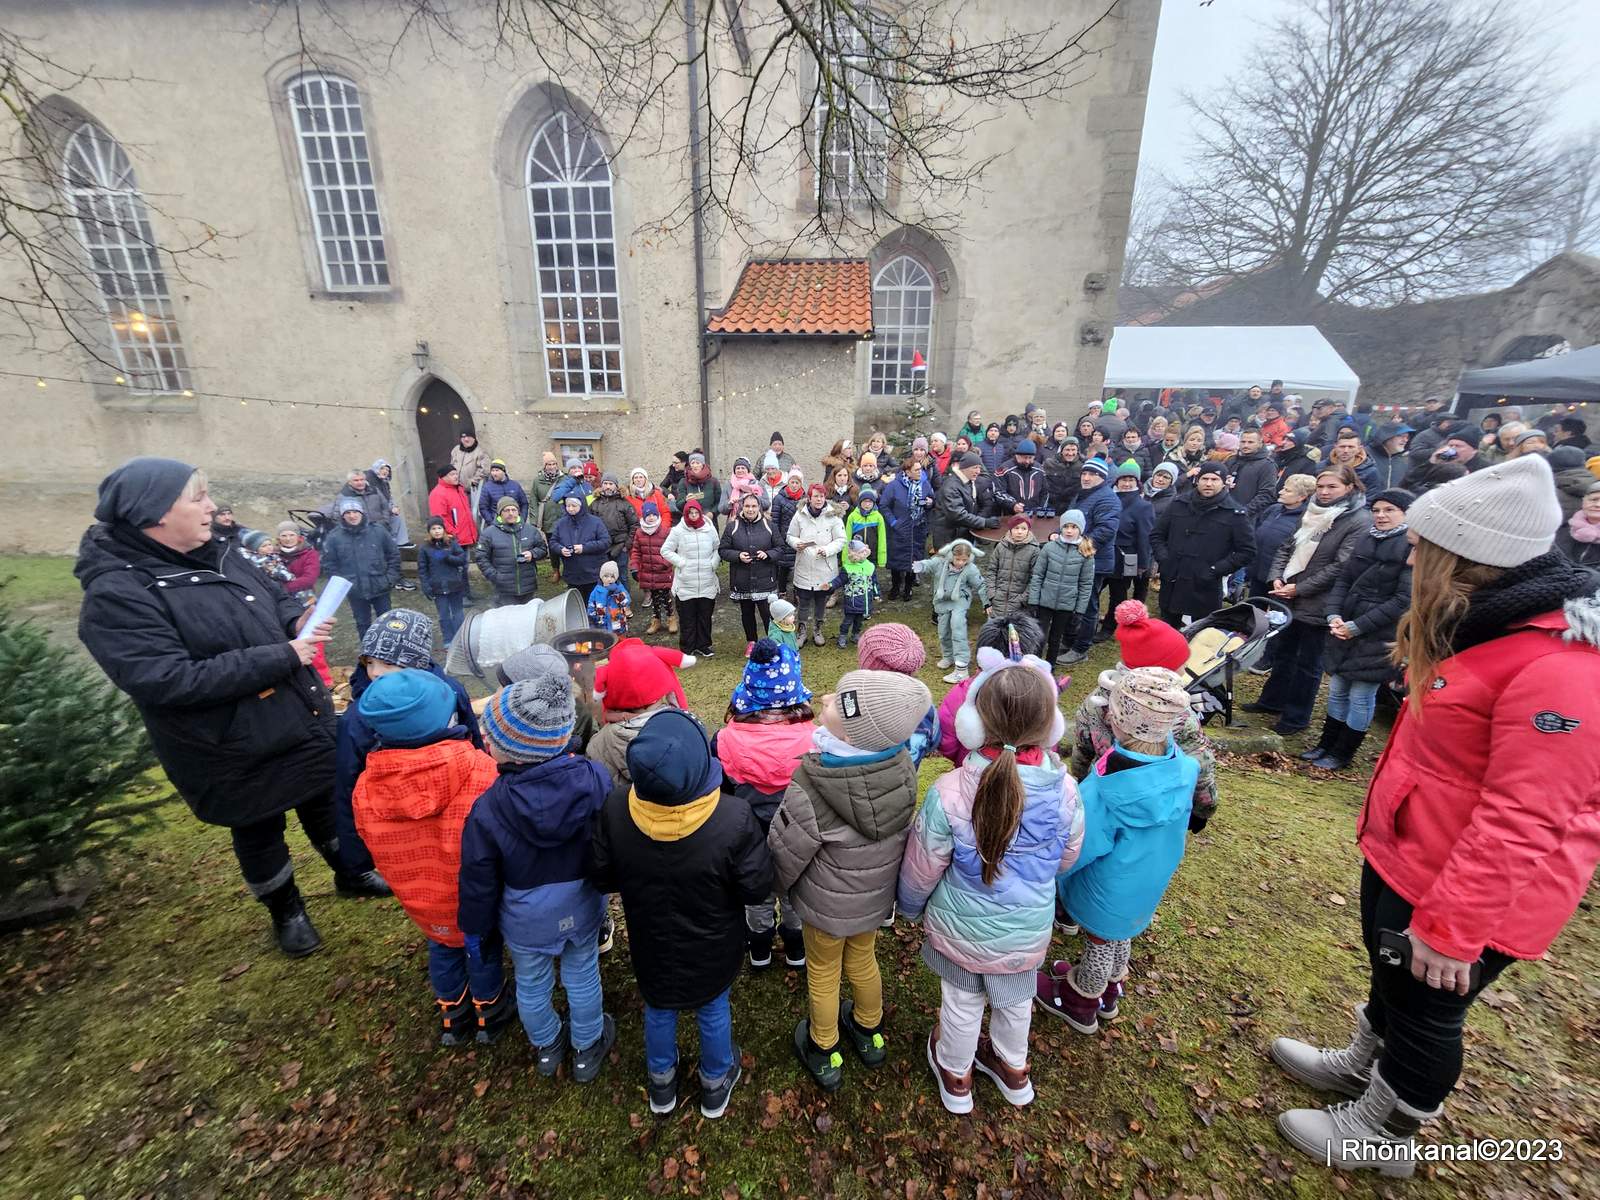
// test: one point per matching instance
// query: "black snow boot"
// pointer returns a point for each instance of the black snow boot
(1343, 752)
(351, 883)
(1332, 730)
(297, 936)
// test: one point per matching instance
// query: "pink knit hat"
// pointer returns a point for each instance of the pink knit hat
(891, 647)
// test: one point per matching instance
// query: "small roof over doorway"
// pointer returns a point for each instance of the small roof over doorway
(798, 297)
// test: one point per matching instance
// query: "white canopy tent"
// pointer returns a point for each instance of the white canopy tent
(1227, 356)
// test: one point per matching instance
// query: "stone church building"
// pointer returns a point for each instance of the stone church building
(395, 238)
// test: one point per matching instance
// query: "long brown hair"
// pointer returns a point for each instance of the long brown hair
(1016, 706)
(1442, 584)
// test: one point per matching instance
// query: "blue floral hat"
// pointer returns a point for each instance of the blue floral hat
(771, 679)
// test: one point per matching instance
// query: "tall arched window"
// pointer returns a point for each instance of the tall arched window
(569, 205)
(902, 327)
(114, 227)
(336, 161)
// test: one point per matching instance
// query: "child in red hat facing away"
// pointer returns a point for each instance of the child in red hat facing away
(634, 683)
(1144, 643)
(411, 802)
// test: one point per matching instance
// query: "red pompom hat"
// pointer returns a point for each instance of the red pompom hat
(1147, 643)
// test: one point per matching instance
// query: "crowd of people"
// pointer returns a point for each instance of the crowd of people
(789, 814)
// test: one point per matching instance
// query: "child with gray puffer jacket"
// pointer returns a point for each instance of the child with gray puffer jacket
(836, 842)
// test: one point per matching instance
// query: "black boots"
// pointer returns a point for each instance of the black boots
(1343, 751)
(297, 936)
(1331, 731)
(351, 883)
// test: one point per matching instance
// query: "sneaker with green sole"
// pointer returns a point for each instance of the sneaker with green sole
(824, 1066)
(869, 1045)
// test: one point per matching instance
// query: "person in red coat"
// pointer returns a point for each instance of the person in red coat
(653, 572)
(450, 501)
(1481, 828)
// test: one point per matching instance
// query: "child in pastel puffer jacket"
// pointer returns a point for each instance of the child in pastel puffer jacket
(984, 851)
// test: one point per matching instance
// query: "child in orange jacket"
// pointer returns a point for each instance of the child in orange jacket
(410, 802)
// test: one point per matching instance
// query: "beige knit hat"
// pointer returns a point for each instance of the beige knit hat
(1500, 516)
(1146, 704)
(880, 709)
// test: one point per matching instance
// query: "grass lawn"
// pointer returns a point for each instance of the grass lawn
(161, 1047)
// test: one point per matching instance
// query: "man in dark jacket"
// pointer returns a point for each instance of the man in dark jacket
(1386, 451)
(960, 510)
(620, 518)
(1200, 540)
(1134, 550)
(216, 659)
(399, 639)
(1571, 431)
(1295, 456)
(1020, 487)
(686, 859)
(1102, 514)
(1253, 474)
(495, 488)
(364, 554)
(582, 542)
(509, 553)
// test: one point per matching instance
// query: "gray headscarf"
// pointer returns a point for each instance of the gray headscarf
(141, 490)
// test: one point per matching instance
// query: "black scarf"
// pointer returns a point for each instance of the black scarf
(206, 557)
(1536, 586)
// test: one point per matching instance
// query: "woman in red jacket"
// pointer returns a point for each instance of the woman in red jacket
(1481, 827)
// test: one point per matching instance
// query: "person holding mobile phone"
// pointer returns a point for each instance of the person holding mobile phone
(1477, 847)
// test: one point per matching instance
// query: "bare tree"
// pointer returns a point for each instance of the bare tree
(1571, 219)
(1381, 151)
(55, 291)
(1148, 258)
(876, 107)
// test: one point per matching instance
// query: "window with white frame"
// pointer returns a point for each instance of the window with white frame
(336, 161)
(114, 226)
(902, 327)
(575, 252)
(851, 111)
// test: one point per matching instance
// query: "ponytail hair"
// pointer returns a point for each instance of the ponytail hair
(1017, 706)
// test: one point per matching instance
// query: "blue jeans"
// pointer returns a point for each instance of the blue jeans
(716, 1040)
(1090, 621)
(451, 613)
(580, 979)
(1352, 701)
(451, 970)
(367, 609)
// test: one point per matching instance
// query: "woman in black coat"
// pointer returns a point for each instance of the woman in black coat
(1303, 571)
(215, 656)
(750, 548)
(1365, 605)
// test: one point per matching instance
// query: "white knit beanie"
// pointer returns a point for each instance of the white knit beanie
(1500, 516)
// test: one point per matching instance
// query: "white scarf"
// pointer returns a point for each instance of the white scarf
(1317, 521)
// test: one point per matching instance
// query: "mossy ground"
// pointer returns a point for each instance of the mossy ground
(159, 1046)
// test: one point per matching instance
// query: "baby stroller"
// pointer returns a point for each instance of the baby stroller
(314, 524)
(1229, 641)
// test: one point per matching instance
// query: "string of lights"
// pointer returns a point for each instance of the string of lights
(43, 382)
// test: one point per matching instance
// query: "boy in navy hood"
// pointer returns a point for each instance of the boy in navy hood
(524, 861)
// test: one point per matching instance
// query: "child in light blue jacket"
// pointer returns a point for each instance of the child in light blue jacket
(1136, 803)
(956, 580)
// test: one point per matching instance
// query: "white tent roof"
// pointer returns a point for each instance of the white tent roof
(1227, 356)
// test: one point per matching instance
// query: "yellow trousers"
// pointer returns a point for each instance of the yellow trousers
(856, 959)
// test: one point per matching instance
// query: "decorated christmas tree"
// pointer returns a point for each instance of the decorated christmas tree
(914, 416)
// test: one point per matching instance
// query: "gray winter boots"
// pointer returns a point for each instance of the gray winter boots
(1372, 1131)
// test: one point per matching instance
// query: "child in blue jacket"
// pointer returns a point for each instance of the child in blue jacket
(524, 870)
(1136, 804)
(610, 604)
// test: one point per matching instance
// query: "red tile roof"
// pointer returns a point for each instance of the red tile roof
(799, 297)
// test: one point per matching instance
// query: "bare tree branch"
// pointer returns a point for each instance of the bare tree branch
(1392, 151)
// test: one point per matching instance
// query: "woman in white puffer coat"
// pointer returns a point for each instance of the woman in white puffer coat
(816, 535)
(691, 548)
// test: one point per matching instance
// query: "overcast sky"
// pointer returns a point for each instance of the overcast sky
(1215, 40)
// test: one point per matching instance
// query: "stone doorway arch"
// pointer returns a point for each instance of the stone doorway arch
(428, 386)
